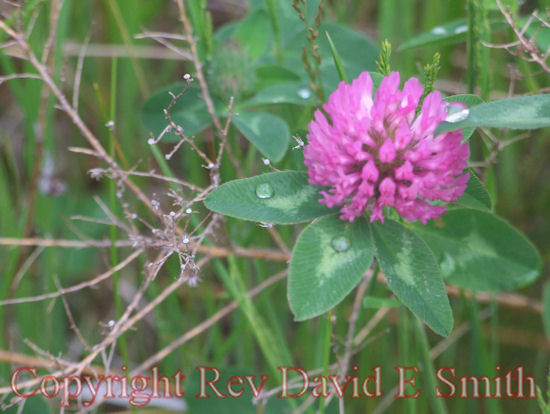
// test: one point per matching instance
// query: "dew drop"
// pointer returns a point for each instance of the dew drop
(304, 93)
(340, 244)
(439, 30)
(456, 114)
(461, 29)
(264, 191)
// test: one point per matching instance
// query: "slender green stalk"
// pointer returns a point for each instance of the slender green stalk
(164, 167)
(372, 281)
(117, 14)
(274, 19)
(235, 285)
(471, 48)
(481, 359)
(337, 60)
(494, 340)
(484, 35)
(266, 303)
(406, 26)
(202, 25)
(112, 184)
(113, 206)
(326, 355)
(530, 81)
(387, 16)
(108, 118)
(406, 354)
(437, 404)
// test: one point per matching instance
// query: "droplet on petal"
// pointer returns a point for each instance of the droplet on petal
(264, 191)
(340, 243)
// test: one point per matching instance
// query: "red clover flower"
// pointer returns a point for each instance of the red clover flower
(379, 152)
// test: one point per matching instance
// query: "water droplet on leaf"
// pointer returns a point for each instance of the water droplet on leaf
(264, 191)
(439, 30)
(341, 243)
(461, 29)
(304, 93)
(456, 114)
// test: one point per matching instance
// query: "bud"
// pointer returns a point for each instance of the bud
(231, 72)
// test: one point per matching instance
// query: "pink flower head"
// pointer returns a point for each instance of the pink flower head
(379, 152)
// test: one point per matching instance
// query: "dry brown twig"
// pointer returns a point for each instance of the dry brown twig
(221, 131)
(162, 38)
(166, 240)
(75, 288)
(174, 236)
(524, 47)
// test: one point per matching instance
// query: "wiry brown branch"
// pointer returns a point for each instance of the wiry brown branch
(178, 129)
(161, 38)
(103, 50)
(31, 361)
(512, 300)
(18, 76)
(72, 322)
(168, 233)
(69, 110)
(458, 333)
(160, 355)
(122, 325)
(220, 131)
(78, 72)
(524, 47)
(75, 288)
